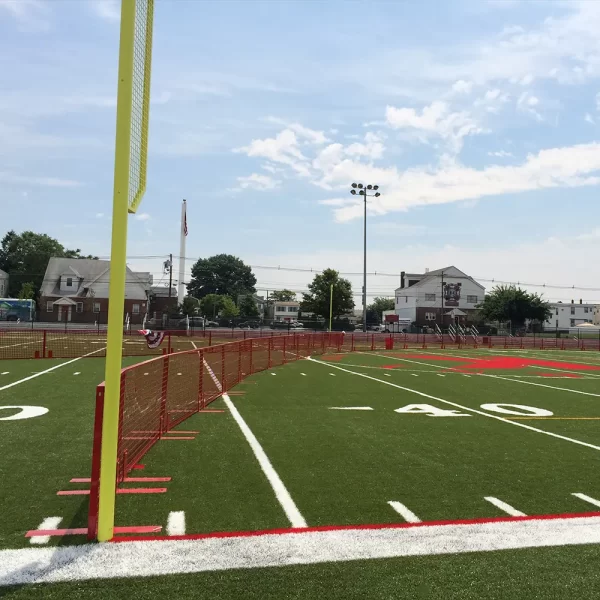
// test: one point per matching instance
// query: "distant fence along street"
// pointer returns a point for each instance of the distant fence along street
(52, 343)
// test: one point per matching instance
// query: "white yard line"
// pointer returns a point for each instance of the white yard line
(176, 523)
(350, 408)
(48, 523)
(551, 387)
(467, 408)
(9, 385)
(145, 559)
(193, 344)
(407, 514)
(507, 508)
(281, 493)
(586, 498)
(29, 343)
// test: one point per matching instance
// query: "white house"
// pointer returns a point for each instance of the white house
(443, 296)
(565, 315)
(3, 283)
(284, 311)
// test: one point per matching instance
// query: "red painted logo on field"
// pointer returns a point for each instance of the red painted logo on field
(504, 363)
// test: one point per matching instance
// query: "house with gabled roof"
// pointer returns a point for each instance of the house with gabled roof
(443, 297)
(76, 290)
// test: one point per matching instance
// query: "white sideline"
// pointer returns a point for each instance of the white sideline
(408, 515)
(281, 493)
(64, 364)
(456, 405)
(507, 508)
(48, 523)
(145, 559)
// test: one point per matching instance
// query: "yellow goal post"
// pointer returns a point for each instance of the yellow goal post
(131, 155)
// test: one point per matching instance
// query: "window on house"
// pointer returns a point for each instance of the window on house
(572, 322)
(572, 310)
(405, 299)
(585, 309)
(79, 307)
(135, 309)
(96, 307)
(292, 309)
(472, 299)
(557, 311)
(430, 316)
(69, 281)
(429, 297)
(49, 306)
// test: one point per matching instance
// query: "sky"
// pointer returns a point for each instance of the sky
(478, 120)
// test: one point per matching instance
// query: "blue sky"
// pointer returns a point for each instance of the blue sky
(478, 120)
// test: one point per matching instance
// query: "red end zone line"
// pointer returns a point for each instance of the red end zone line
(126, 480)
(296, 530)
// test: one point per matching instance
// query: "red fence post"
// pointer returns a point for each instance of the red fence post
(44, 345)
(163, 396)
(284, 349)
(169, 345)
(269, 360)
(251, 358)
(92, 532)
(201, 380)
(239, 377)
(223, 382)
(352, 344)
(210, 338)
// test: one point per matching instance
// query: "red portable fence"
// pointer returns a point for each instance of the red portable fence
(160, 393)
(56, 343)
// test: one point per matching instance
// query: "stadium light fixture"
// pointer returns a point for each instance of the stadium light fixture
(363, 191)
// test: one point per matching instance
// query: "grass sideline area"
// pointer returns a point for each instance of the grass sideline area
(354, 438)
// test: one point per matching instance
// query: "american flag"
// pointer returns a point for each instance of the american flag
(185, 231)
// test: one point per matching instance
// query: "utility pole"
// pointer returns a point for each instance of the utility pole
(170, 274)
(442, 310)
(362, 191)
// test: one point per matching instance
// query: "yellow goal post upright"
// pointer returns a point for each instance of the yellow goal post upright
(131, 144)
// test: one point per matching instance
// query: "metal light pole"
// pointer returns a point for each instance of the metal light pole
(362, 191)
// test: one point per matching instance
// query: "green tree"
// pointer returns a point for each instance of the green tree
(210, 305)
(25, 257)
(317, 300)
(248, 307)
(190, 306)
(282, 296)
(27, 291)
(376, 308)
(229, 310)
(222, 274)
(509, 303)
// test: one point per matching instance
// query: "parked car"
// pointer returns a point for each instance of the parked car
(195, 323)
(249, 325)
(211, 324)
(12, 317)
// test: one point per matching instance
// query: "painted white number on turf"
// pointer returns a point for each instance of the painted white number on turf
(523, 411)
(26, 412)
(430, 411)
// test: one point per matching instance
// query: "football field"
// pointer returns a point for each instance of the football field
(387, 474)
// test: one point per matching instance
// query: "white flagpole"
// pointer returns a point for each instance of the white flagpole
(180, 283)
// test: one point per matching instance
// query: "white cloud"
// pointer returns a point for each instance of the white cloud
(589, 119)
(310, 136)
(142, 217)
(501, 154)
(434, 120)
(527, 103)
(462, 87)
(11, 178)
(99, 215)
(566, 167)
(31, 15)
(257, 182)
(283, 148)
(107, 9)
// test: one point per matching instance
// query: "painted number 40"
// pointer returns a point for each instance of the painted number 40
(505, 409)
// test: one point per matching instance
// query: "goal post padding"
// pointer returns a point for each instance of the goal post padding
(160, 393)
